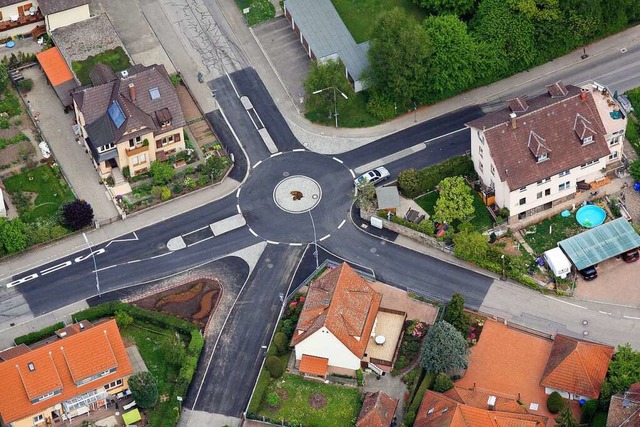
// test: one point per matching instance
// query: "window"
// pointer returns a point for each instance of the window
(493, 170)
(544, 181)
(481, 136)
(154, 92)
(107, 147)
(113, 384)
(138, 138)
(592, 162)
(587, 140)
(542, 157)
(523, 189)
(613, 155)
(38, 419)
(143, 157)
(135, 161)
(132, 143)
(547, 192)
(539, 195)
(564, 173)
(615, 140)
(481, 166)
(480, 151)
(564, 186)
(170, 138)
(522, 201)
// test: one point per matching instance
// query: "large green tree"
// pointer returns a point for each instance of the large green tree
(442, 7)
(77, 214)
(399, 58)
(12, 235)
(144, 389)
(444, 350)
(323, 76)
(455, 200)
(455, 315)
(566, 417)
(470, 245)
(161, 172)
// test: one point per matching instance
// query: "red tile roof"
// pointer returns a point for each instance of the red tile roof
(479, 398)
(345, 304)
(438, 410)
(313, 365)
(577, 366)
(552, 119)
(54, 66)
(377, 410)
(85, 354)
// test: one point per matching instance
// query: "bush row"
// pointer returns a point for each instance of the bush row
(36, 336)
(413, 183)
(261, 387)
(412, 410)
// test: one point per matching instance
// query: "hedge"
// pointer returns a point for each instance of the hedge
(261, 387)
(413, 183)
(109, 308)
(36, 336)
(412, 410)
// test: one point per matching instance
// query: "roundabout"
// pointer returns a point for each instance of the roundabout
(296, 197)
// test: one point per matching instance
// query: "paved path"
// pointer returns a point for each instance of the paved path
(76, 163)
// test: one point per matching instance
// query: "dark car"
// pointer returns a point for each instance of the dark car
(589, 273)
(631, 256)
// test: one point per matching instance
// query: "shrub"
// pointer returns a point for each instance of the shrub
(126, 172)
(25, 85)
(188, 369)
(409, 183)
(381, 107)
(161, 172)
(360, 377)
(412, 183)
(412, 410)
(77, 214)
(196, 343)
(442, 383)
(281, 342)
(555, 402)
(144, 389)
(123, 319)
(36, 336)
(589, 410)
(273, 364)
(273, 399)
(177, 188)
(4, 124)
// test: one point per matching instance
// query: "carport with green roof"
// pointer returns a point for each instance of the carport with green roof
(600, 243)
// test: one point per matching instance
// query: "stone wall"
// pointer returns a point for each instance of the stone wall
(405, 231)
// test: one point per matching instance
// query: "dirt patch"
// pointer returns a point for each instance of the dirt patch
(194, 301)
(282, 393)
(317, 401)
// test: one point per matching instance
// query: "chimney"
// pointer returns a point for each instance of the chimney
(514, 125)
(583, 94)
(132, 92)
(81, 326)
(491, 403)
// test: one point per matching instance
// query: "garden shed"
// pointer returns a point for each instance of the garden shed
(600, 243)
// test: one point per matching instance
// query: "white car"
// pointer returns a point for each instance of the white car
(44, 148)
(374, 176)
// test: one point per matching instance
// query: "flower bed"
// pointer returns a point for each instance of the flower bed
(414, 333)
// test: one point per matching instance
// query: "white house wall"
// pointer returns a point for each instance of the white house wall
(324, 344)
(67, 17)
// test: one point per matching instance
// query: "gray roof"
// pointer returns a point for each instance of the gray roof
(327, 35)
(83, 39)
(63, 90)
(138, 115)
(600, 243)
(388, 197)
(4, 3)
(48, 7)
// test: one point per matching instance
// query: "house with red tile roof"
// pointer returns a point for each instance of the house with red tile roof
(576, 368)
(536, 153)
(449, 410)
(378, 410)
(63, 377)
(336, 323)
(624, 409)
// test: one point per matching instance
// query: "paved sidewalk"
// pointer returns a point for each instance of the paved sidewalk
(58, 132)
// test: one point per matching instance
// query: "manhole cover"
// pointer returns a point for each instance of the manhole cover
(585, 333)
(585, 322)
(285, 174)
(297, 194)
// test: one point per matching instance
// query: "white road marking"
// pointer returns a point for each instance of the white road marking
(324, 238)
(238, 192)
(604, 312)
(161, 255)
(342, 223)
(565, 302)
(256, 165)
(200, 241)
(295, 244)
(253, 232)
(89, 255)
(238, 207)
(631, 317)
(276, 154)
(23, 280)
(133, 261)
(196, 230)
(297, 150)
(353, 175)
(104, 268)
(338, 160)
(135, 238)
(272, 242)
(55, 268)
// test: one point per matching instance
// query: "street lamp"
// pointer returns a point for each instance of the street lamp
(95, 267)
(335, 101)
(315, 240)
(503, 277)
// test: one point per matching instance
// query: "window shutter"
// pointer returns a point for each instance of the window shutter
(158, 144)
(176, 137)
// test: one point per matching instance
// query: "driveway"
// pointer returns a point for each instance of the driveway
(617, 283)
(75, 162)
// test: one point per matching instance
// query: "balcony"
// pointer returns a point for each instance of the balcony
(22, 20)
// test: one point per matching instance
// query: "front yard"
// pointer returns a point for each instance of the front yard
(258, 10)
(481, 219)
(312, 403)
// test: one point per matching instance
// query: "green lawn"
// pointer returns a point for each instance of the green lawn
(482, 219)
(561, 228)
(351, 114)
(116, 58)
(343, 403)
(148, 338)
(359, 16)
(51, 192)
(259, 10)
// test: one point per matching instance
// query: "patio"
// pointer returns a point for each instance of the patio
(388, 332)
(111, 416)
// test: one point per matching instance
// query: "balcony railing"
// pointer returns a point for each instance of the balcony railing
(7, 24)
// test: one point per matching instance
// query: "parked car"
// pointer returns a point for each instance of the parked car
(44, 148)
(374, 176)
(631, 256)
(625, 104)
(589, 273)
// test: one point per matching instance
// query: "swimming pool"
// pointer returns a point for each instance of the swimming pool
(591, 216)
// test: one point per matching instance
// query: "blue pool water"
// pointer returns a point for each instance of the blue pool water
(591, 216)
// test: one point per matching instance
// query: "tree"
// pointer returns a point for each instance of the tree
(454, 58)
(470, 246)
(444, 350)
(455, 200)
(174, 350)
(455, 315)
(634, 170)
(144, 389)
(442, 383)
(554, 402)
(443, 7)
(77, 214)
(12, 235)
(566, 417)
(322, 76)
(281, 342)
(273, 364)
(161, 172)
(4, 78)
(624, 369)
(399, 58)
(365, 196)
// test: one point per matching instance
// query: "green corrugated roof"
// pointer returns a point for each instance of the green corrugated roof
(600, 243)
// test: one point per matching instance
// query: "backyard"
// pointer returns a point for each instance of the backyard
(360, 16)
(481, 219)
(259, 10)
(352, 113)
(116, 58)
(312, 403)
(39, 192)
(546, 234)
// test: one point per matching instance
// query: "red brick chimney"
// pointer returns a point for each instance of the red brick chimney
(132, 92)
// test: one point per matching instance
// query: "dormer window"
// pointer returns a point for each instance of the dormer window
(164, 117)
(584, 129)
(542, 157)
(538, 147)
(587, 140)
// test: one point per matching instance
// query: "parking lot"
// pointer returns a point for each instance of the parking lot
(617, 283)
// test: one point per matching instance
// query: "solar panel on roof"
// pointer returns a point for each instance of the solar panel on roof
(116, 114)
